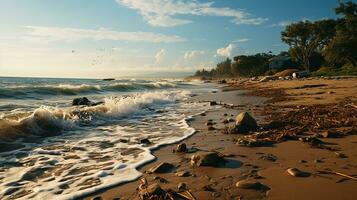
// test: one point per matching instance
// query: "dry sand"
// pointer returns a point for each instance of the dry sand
(256, 163)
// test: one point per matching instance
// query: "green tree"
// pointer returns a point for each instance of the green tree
(252, 65)
(343, 47)
(305, 38)
(224, 68)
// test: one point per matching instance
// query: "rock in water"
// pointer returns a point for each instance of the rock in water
(297, 173)
(206, 159)
(161, 168)
(212, 103)
(145, 141)
(244, 124)
(249, 184)
(81, 101)
(84, 101)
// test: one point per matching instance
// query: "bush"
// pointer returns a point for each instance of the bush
(287, 72)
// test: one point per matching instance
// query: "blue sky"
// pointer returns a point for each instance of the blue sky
(114, 38)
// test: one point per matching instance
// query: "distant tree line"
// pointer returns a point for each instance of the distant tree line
(327, 42)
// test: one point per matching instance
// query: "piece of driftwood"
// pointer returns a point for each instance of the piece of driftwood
(191, 195)
(183, 196)
(339, 174)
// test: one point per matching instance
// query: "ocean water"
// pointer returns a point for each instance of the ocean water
(50, 149)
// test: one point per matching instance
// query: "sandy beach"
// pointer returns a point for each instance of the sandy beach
(325, 150)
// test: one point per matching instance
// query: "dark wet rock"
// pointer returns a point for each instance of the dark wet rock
(183, 174)
(225, 121)
(222, 81)
(211, 128)
(297, 173)
(244, 124)
(231, 120)
(84, 101)
(250, 184)
(212, 103)
(153, 191)
(163, 167)
(249, 142)
(209, 123)
(160, 179)
(203, 114)
(145, 141)
(340, 155)
(269, 157)
(181, 148)
(207, 159)
(182, 187)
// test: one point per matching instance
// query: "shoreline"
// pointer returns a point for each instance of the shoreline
(251, 162)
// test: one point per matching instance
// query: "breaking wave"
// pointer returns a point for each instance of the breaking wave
(50, 121)
(28, 91)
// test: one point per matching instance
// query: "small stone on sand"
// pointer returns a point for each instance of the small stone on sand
(249, 184)
(297, 173)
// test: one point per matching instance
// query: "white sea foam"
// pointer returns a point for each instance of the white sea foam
(76, 164)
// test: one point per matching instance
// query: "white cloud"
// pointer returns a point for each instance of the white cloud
(53, 34)
(226, 51)
(162, 12)
(280, 24)
(241, 40)
(159, 56)
(191, 54)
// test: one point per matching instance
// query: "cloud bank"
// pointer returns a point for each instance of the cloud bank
(226, 51)
(53, 34)
(164, 13)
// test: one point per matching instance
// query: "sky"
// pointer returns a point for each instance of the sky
(120, 38)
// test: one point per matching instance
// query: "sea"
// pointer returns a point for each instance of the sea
(50, 149)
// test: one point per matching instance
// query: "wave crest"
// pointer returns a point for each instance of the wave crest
(27, 91)
(50, 121)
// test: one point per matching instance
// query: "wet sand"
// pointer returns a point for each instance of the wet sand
(268, 164)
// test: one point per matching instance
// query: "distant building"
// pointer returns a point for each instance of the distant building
(280, 61)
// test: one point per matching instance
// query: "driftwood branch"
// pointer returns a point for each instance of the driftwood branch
(339, 174)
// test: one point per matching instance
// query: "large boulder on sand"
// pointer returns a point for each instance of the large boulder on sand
(206, 159)
(244, 124)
